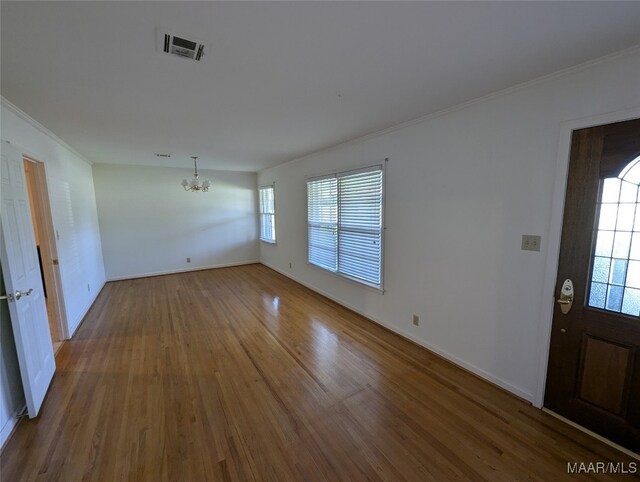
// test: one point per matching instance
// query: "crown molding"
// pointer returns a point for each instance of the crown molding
(478, 100)
(30, 120)
(509, 90)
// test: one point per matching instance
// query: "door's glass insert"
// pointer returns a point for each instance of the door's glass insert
(631, 303)
(598, 295)
(604, 243)
(615, 272)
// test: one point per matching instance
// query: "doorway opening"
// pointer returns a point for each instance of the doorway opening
(47, 252)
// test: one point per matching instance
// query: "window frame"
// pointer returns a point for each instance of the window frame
(382, 166)
(271, 186)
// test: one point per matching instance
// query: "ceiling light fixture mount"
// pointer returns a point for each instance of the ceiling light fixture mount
(194, 185)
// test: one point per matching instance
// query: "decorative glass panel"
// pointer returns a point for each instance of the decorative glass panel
(611, 190)
(631, 303)
(628, 192)
(604, 244)
(621, 244)
(625, 217)
(631, 173)
(618, 272)
(635, 247)
(598, 295)
(633, 274)
(601, 269)
(614, 298)
(608, 214)
(615, 271)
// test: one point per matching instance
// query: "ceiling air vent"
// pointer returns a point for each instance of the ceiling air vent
(185, 46)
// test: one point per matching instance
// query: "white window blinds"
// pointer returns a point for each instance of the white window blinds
(345, 224)
(322, 200)
(267, 214)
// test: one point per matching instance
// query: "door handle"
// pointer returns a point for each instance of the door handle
(566, 296)
(8, 297)
(19, 294)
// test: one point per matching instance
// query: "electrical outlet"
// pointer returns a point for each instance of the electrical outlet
(290, 265)
(188, 260)
(416, 320)
(530, 242)
(88, 287)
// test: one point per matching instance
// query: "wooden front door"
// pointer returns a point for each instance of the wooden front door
(594, 362)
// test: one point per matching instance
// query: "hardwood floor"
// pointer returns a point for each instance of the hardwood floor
(242, 374)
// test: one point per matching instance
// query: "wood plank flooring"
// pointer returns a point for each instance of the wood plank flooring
(242, 374)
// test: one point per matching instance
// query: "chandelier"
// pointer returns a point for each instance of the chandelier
(194, 185)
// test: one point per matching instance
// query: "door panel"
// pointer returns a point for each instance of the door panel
(21, 272)
(594, 361)
(604, 375)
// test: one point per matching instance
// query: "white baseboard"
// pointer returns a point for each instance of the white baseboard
(10, 425)
(86, 310)
(173, 271)
(519, 392)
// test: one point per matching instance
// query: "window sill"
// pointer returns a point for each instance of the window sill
(363, 284)
(267, 241)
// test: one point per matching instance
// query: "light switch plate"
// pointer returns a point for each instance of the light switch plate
(530, 242)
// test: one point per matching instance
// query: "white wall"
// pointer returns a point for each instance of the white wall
(73, 210)
(150, 225)
(461, 189)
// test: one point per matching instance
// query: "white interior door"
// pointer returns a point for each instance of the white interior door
(23, 283)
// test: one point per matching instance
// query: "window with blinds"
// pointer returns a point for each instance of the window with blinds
(267, 214)
(345, 224)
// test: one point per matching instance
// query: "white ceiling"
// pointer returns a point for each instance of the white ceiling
(282, 79)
